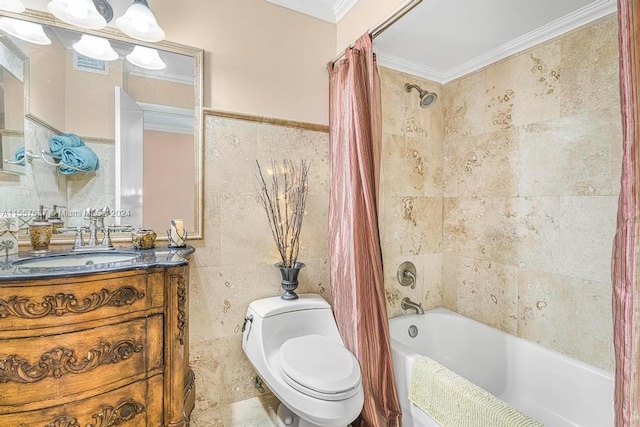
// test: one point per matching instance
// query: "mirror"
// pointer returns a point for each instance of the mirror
(143, 126)
(13, 93)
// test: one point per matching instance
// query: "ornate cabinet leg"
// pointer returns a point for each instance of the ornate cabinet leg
(179, 382)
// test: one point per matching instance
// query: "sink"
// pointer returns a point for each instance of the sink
(77, 259)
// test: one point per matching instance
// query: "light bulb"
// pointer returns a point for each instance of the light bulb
(15, 6)
(145, 57)
(141, 25)
(78, 11)
(95, 47)
(26, 29)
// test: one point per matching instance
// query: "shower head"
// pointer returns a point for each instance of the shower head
(427, 99)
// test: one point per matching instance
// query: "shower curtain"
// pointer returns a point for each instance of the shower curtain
(626, 254)
(355, 254)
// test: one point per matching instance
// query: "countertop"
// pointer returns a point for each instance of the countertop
(12, 267)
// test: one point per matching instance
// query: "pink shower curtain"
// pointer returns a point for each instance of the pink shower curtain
(626, 255)
(356, 260)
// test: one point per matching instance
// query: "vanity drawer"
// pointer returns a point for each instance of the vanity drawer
(74, 366)
(135, 405)
(66, 301)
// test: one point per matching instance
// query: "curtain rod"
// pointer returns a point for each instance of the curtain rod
(387, 22)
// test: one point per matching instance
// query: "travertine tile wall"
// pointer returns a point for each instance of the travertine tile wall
(94, 189)
(411, 190)
(39, 183)
(234, 264)
(531, 167)
(504, 193)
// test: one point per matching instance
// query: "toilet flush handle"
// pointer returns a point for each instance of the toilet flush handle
(247, 319)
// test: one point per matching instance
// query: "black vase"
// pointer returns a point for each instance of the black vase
(289, 279)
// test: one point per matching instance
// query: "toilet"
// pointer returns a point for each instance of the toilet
(297, 350)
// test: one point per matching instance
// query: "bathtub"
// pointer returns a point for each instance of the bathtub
(555, 389)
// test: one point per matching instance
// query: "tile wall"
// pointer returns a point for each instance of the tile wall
(234, 264)
(411, 190)
(531, 169)
(504, 193)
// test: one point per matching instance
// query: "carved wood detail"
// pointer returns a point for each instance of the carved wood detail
(64, 422)
(61, 361)
(182, 313)
(54, 327)
(60, 304)
(191, 382)
(111, 416)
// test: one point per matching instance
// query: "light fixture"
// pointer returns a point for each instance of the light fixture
(95, 47)
(138, 22)
(27, 31)
(81, 13)
(145, 57)
(14, 6)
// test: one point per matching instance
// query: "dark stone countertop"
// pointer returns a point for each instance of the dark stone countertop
(27, 266)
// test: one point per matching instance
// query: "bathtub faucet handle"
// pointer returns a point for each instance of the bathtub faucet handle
(407, 274)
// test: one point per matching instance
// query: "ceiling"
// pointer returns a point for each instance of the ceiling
(327, 10)
(442, 40)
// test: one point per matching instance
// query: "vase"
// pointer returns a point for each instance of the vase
(289, 279)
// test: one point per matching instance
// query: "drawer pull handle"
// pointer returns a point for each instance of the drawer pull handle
(60, 304)
(62, 361)
(109, 416)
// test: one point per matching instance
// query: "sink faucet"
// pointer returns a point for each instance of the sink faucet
(407, 304)
(96, 225)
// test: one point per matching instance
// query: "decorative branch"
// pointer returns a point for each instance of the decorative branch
(284, 202)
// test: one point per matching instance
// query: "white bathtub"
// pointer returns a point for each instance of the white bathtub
(555, 389)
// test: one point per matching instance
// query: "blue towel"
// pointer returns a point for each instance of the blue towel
(58, 142)
(79, 157)
(18, 156)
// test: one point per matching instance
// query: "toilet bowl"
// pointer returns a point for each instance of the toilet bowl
(297, 350)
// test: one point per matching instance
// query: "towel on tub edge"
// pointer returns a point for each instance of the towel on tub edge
(454, 401)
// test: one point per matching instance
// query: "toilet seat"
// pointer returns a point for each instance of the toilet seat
(319, 367)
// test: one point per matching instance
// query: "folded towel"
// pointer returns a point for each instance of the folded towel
(79, 157)
(453, 401)
(58, 142)
(18, 156)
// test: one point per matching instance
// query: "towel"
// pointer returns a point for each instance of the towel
(454, 401)
(18, 156)
(58, 142)
(79, 157)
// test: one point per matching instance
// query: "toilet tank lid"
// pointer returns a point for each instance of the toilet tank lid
(272, 306)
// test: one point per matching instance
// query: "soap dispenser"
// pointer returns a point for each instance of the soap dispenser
(54, 218)
(40, 231)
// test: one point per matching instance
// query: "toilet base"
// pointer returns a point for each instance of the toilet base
(287, 418)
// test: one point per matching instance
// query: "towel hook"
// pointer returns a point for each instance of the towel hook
(407, 274)
(30, 155)
(56, 164)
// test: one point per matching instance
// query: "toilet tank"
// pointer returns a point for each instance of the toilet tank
(275, 320)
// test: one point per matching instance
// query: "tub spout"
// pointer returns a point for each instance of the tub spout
(407, 304)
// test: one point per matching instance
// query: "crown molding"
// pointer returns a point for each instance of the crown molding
(342, 7)
(165, 118)
(582, 16)
(328, 10)
(415, 69)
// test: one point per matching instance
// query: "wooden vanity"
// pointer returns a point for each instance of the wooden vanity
(99, 349)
